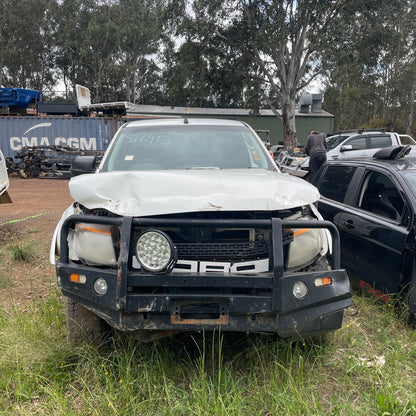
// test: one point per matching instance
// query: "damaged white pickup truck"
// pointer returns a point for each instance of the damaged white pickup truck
(187, 225)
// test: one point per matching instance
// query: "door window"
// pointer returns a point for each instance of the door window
(358, 144)
(380, 196)
(380, 141)
(335, 182)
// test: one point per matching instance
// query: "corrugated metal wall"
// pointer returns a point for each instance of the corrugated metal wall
(323, 123)
(304, 124)
(87, 133)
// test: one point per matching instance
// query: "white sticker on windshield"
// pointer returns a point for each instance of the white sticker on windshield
(129, 157)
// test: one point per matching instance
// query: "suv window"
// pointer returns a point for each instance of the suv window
(358, 143)
(335, 182)
(380, 141)
(380, 196)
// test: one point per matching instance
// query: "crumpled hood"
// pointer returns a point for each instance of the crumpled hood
(147, 193)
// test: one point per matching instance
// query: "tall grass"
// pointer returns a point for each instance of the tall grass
(366, 368)
(23, 251)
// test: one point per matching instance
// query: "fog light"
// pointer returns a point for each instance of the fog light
(300, 290)
(155, 251)
(100, 286)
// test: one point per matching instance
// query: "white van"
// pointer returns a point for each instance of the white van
(4, 181)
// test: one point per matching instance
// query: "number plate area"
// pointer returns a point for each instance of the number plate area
(199, 312)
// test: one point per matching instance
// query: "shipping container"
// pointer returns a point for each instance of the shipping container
(87, 133)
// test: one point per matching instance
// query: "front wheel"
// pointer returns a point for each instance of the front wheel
(83, 326)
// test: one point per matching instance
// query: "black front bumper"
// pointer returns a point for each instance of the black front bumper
(262, 302)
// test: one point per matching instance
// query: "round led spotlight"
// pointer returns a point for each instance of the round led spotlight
(300, 290)
(155, 251)
(100, 286)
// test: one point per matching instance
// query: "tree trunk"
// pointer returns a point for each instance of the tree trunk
(289, 123)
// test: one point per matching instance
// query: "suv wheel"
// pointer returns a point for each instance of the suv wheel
(83, 326)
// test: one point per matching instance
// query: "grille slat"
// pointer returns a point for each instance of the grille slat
(222, 250)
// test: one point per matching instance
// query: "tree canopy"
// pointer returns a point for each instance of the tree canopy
(248, 54)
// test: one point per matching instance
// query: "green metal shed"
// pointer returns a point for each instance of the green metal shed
(264, 120)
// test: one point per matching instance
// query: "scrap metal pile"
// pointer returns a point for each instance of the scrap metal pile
(47, 161)
(292, 161)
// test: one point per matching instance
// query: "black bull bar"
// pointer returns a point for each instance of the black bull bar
(279, 311)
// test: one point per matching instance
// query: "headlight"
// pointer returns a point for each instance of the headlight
(155, 251)
(92, 244)
(307, 244)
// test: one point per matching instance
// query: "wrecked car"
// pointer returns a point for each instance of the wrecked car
(188, 225)
(47, 161)
(4, 181)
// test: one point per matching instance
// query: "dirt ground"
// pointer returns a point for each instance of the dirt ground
(32, 216)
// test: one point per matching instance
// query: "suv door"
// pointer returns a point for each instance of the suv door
(372, 221)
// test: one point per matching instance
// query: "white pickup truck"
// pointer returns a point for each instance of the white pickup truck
(187, 225)
(4, 181)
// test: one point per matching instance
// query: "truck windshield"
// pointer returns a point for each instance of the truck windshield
(185, 147)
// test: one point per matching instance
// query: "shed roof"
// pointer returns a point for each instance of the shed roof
(155, 109)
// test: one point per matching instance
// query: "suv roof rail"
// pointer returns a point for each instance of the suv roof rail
(359, 131)
(393, 152)
(341, 131)
(382, 130)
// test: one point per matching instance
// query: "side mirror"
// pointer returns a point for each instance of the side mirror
(346, 148)
(82, 164)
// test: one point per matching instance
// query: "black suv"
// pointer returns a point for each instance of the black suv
(373, 204)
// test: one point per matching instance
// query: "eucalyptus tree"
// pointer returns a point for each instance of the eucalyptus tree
(109, 45)
(73, 17)
(6, 41)
(373, 76)
(139, 37)
(279, 42)
(400, 67)
(100, 48)
(26, 36)
(287, 39)
(209, 64)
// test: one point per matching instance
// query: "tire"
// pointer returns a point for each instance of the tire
(83, 326)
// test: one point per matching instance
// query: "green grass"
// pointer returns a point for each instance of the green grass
(24, 251)
(208, 373)
(5, 282)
